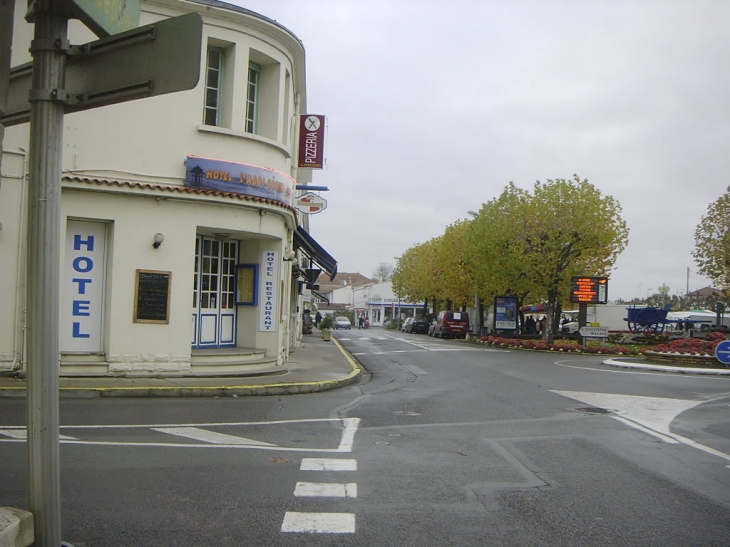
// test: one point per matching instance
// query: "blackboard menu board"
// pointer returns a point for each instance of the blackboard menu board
(152, 297)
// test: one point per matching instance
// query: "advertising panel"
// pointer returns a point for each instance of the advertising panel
(505, 313)
(239, 178)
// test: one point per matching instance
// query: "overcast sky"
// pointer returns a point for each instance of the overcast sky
(434, 107)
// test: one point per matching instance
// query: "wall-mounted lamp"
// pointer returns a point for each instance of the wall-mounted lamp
(157, 240)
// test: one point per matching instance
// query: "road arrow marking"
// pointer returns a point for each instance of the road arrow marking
(209, 436)
(652, 415)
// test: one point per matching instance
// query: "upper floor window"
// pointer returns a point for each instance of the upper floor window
(252, 97)
(213, 86)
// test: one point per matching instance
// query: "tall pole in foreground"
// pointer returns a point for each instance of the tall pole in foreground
(44, 214)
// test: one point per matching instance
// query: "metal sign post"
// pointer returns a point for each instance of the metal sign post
(44, 224)
(145, 57)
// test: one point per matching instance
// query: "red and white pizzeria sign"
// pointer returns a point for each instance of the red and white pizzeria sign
(310, 203)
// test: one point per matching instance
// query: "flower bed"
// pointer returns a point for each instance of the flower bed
(684, 348)
(561, 346)
(691, 346)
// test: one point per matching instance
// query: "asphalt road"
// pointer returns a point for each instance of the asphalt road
(444, 444)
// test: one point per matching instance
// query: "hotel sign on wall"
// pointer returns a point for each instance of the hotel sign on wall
(269, 291)
(310, 203)
(82, 284)
(239, 178)
(311, 141)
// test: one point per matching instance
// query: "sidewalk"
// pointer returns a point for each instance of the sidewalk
(314, 366)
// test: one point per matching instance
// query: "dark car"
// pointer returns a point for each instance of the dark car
(451, 324)
(419, 326)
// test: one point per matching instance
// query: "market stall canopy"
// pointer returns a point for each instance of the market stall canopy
(315, 252)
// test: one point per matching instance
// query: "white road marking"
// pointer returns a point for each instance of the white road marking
(326, 490)
(348, 435)
(319, 523)
(349, 426)
(328, 464)
(21, 434)
(641, 372)
(362, 338)
(652, 415)
(206, 436)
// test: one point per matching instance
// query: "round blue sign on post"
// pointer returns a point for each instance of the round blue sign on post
(722, 352)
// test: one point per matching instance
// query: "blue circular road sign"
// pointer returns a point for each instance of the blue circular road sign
(722, 352)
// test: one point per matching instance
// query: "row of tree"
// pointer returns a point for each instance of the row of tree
(523, 243)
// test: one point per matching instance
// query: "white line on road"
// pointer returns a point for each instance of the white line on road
(319, 523)
(328, 464)
(21, 434)
(348, 435)
(326, 490)
(652, 415)
(349, 425)
(212, 437)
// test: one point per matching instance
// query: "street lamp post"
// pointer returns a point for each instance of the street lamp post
(476, 325)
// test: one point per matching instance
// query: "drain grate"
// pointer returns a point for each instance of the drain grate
(595, 410)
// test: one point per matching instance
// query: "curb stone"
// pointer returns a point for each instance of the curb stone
(16, 527)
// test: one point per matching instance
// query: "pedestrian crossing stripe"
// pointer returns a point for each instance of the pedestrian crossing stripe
(319, 523)
(328, 464)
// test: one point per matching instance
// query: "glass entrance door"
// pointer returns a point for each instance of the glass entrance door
(214, 305)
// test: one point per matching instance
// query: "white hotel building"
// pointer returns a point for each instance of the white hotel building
(181, 246)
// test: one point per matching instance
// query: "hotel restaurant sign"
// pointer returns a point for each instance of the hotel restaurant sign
(239, 178)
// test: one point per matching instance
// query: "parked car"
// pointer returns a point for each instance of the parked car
(406, 324)
(419, 326)
(451, 324)
(431, 327)
(342, 322)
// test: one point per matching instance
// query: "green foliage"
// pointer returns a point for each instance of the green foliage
(418, 274)
(712, 242)
(327, 322)
(521, 243)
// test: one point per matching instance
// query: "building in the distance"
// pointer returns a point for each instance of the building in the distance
(375, 300)
(182, 251)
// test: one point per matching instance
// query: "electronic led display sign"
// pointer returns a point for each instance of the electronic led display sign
(589, 290)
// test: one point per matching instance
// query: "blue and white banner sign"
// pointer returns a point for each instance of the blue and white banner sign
(239, 178)
(82, 284)
(269, 291)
